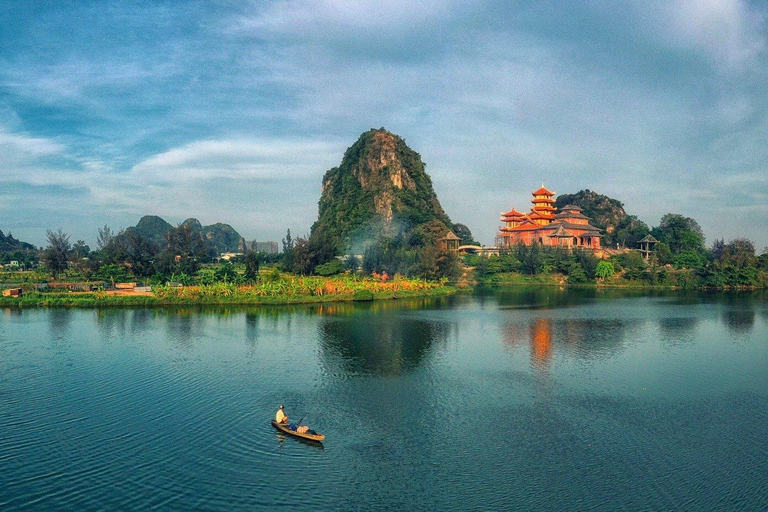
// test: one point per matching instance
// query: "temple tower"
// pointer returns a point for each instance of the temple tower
(543, 210)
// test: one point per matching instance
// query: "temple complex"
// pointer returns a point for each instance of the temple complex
(543, 225)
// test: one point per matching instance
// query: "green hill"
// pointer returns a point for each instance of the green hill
(607, 214)
(219, 237)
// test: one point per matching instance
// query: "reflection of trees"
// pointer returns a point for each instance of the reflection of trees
(378, 344)
(677, 330)
(739, 321)
(59, 321)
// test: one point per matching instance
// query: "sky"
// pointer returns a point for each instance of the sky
(232, 111)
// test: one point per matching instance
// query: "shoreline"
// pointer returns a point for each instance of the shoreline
(96, 301)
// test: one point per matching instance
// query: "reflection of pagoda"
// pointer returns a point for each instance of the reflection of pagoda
(569, 228)
(541, 341)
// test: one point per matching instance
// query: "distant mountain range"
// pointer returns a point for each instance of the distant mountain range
(220, 237)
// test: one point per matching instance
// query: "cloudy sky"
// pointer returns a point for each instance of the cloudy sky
(232, 111)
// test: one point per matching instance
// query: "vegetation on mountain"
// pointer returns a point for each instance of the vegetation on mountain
(12, 249)
(380, 189)
(379, 203)
(152, 228)
(619, 228)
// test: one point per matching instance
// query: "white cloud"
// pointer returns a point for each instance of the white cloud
(731, 31)
(238, 158)
(14, 146)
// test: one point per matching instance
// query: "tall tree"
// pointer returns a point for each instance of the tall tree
(680, 233)
(80, 250)
(105, 237)
(185, 252)
(141, 253)
(288, 251)
(251, 265)
(56, 255)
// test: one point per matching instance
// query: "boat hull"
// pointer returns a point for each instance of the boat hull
(318, 438)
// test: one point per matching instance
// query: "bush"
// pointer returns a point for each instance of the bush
(330, 268)
(604, 269)
(362, 295)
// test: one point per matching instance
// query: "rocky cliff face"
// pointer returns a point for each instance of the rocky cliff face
(380, 190)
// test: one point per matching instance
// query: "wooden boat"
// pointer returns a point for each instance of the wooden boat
(282, 427)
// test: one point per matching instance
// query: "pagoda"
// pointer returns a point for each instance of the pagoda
(543, 225)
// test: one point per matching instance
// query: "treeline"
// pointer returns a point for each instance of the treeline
(127, 255)
(398, 255)
(680, 259)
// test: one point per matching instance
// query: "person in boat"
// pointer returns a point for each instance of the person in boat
(280, 417)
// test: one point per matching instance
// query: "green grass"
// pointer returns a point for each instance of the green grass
(97, 300)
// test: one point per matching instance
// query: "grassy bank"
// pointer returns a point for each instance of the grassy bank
(294, 290)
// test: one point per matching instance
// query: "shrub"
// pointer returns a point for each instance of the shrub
(362, 295)
(604, 269)
(330, 268)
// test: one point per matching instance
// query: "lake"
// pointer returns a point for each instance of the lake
(510, 399)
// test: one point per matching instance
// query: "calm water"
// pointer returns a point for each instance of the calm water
(520, 399)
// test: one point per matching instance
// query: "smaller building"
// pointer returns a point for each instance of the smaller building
(266, 247)
(450, 242)
(12, 292)
(646, 246)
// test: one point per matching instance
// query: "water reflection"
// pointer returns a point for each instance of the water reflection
(582, 338)
(378, 344)
(59, 321)
(541, 342)
(678, 330)
(739, 321)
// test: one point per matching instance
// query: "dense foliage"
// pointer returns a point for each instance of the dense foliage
(619, 229)
(12, 249)
(379, 193)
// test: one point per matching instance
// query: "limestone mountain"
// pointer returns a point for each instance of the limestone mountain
(224, 238)
(608, 214)
(379, 191)
(152, 227)
(8, 244)
(219, 237)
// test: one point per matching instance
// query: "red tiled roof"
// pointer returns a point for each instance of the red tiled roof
(513, 213)
(542, 192)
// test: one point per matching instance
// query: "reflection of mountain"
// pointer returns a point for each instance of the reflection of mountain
(378, 344)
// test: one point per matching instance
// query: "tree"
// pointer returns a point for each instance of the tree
(105, 237)
(302, 257)
(604, 269)
(288, 251)
(680, 233)
(185, 252)
(140, 253)
(661, 254)
(251, 266)
(80, 250)
(56, 255)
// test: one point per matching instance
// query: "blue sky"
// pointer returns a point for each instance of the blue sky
(232, 111)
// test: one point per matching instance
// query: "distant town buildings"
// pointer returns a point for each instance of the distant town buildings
(543, 225)
(266, 247)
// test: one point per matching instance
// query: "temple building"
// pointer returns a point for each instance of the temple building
(543, 225)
